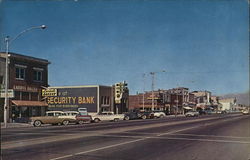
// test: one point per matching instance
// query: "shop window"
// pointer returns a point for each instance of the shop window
(34, 96)
(17, 95)
(25, 96)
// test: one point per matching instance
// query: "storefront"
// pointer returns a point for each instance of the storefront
(23, 110)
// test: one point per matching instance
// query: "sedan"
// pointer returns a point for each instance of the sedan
(192, 114)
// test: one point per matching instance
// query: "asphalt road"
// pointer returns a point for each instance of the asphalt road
(214, 137)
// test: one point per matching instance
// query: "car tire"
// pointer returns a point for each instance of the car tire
(143, 117)
(126, 118)
(65, 122)
(161, 116)
(96, 120)
(80, 122)
(116, 119)
(37, 123)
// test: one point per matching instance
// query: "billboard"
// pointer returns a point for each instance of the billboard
(71, 98)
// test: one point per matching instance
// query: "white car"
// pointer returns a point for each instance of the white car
(192, 114)
(245, 112)
(158, 114)
(107, 116)
(71, 115)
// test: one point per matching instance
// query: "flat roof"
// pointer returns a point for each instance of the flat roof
(82, 86)
(20, 56)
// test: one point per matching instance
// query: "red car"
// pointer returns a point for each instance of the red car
(83, 117)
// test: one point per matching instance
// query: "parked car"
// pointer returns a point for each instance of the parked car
(158, 114)
(51, 117)
(107, 116)
(83, 117)
(245, 112)
(192, 114)
(71, 115)
(146, 115)
(202, 112)
(131, 115)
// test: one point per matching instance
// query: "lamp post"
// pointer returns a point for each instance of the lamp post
(8, 42)
(153, 83)
(143, 96)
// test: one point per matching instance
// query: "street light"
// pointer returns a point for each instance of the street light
(8, 42)
(153, 83)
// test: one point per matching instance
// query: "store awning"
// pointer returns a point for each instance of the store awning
(187, 108)
(29, 103)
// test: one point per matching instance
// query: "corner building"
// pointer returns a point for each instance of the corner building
(27, 76)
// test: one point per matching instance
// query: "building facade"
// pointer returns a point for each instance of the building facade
(95, 98)
(228, 104)
(27, 76)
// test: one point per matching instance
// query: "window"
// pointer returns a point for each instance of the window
(50, 114)
(37, 75)
(20, 73)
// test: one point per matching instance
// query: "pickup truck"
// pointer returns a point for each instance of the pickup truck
(107, 116)
(51, 117)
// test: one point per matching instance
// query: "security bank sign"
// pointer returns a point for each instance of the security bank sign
(72, 98)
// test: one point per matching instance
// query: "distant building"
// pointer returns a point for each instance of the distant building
(203, 99)
(136, 102)
(228, 104)
(27, 76)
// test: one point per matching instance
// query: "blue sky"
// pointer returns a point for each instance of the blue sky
(202, 44)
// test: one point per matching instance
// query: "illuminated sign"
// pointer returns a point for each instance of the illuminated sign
(49, 92)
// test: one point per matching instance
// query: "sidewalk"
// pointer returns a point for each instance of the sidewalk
(16, 125)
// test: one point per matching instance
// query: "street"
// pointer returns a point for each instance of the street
(210, 137)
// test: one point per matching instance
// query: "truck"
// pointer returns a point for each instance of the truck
(107, 116)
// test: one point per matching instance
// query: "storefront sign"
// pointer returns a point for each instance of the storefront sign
(25, 88)
(49, 92)
(10, 93)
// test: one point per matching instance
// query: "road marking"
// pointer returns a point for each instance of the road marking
(180, 138)
(97, 149)
(196, 135)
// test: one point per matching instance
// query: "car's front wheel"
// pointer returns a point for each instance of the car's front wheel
(96, 120)
(65, 122)
(37, 123)
(126, 118)
(80, 122)
(144, 117)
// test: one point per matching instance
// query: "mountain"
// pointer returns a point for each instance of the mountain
(242, 98)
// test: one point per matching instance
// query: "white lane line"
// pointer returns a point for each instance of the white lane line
(196, 135)
(180, 138)
(97, 149)
(203, 140)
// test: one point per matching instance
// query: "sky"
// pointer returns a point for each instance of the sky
(200, 44)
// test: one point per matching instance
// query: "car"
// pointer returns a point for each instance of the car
(158, 114)
(71, 115)
(131, 115)
(146, 114)
(202, 112)
(51, 117)
(192, 114)
(107, 116)
(83, 117)
(245, 112)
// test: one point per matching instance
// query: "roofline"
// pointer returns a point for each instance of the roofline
(16, 55)
(85, 86)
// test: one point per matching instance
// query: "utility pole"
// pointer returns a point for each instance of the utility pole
(143, 96)
(153, 83)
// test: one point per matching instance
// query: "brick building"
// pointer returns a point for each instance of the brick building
(27, 76)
